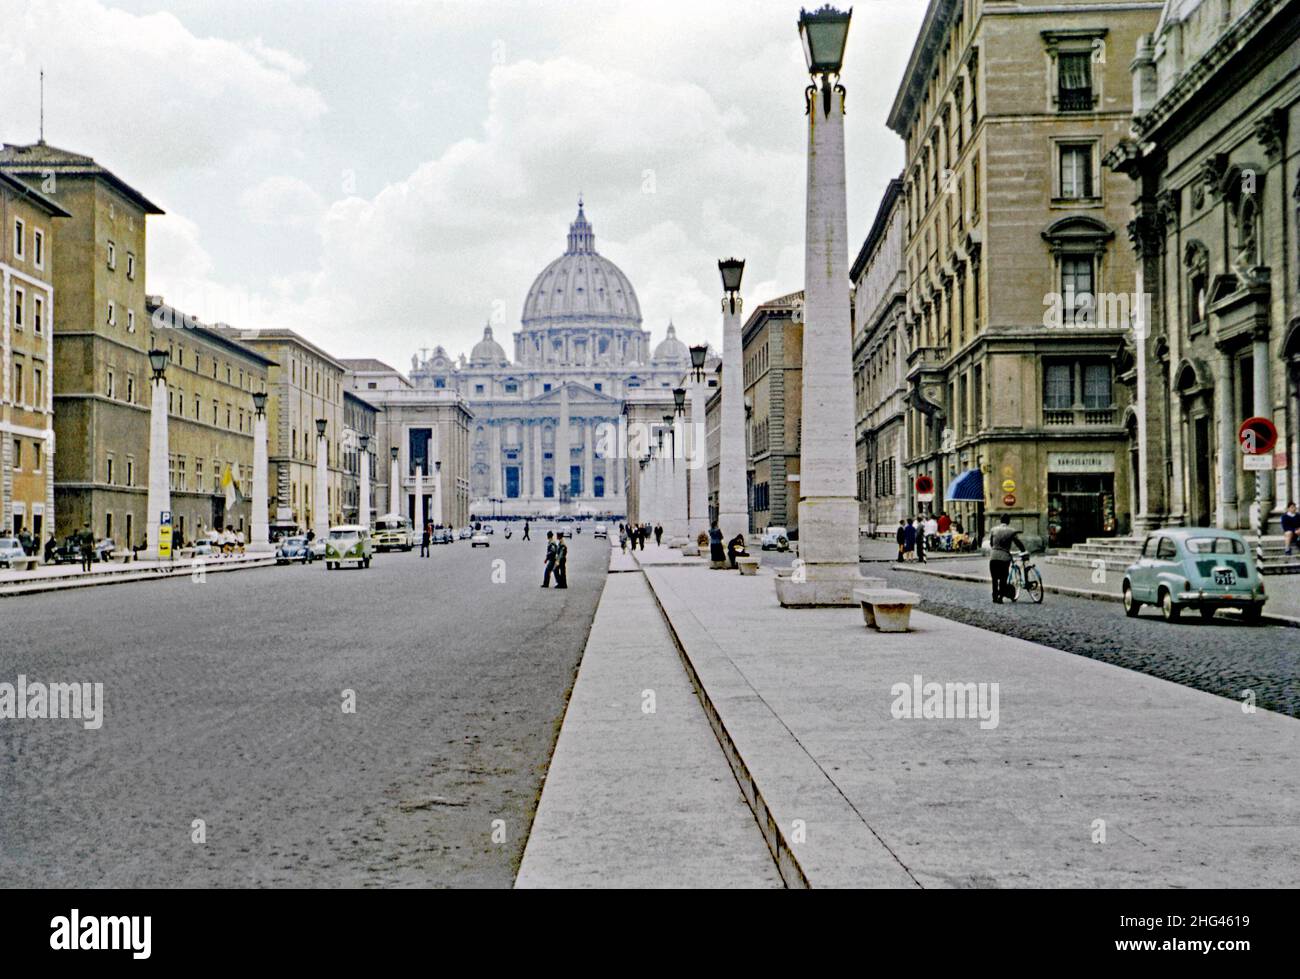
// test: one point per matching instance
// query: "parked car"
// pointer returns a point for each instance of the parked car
(443, 535)
(479, 540)
(487, 529)
(104, 549)
(10, 551)
(348, 544)
(1194, 567)
(600, 530)
(393, 532)
(317, 548)
(465, 533)
(775, 537)
(293, 549)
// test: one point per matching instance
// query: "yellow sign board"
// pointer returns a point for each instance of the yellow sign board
(165, 541)
(1008, 486)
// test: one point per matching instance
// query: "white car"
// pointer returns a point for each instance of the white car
(601, 530)
(775, 537)
(479, 540)
(10, 551)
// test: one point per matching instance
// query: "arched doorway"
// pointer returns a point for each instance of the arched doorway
(1191, 381)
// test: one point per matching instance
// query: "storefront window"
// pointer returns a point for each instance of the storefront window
(1096, 386)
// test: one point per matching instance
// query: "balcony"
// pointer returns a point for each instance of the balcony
(1077, 417)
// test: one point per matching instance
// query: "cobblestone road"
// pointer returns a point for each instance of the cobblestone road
(224, 703)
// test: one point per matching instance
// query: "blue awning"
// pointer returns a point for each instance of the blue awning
(969, 486)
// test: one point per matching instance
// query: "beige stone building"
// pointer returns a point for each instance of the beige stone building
(642, 421)
(211, 379)
(1214, 154)
(430, 428)
(772, 370)
(101, 339)
(305, 384)
(879, 367)
(1019, 282)
(359, 420)
(28, 230)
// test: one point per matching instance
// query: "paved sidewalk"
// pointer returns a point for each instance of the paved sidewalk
(58, 577)
(637, 799)
(1283, 591)
(1189, 789)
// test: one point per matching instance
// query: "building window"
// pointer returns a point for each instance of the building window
(1058, 387)
(38, 387)
(110, 470)
(1074, 81)
(112, 314)
(38, 247)
(36, 452)
(478, 388)
(130, 321)
(130, 265)
(1076, 288)
(512, 387)
(18, 457)
(112, 255)
(1075, 171)
(38, 314)
(130, 471)
(1096, 386)
(19, 297)
(18, 238)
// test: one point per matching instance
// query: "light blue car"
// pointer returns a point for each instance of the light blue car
(1194, 567)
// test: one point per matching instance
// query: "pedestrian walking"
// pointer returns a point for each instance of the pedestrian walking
(1290, 527)
(898, 537)
(909, 540)
(920, 541)
(717, 555)
(1000, 541)
(622, 538)
(526, 537)
(659, 535)
(87, 541)
(550, 559)
(424, 541)
(51, 546)
(561, 563)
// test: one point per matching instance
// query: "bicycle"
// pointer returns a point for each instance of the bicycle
(1024, 575)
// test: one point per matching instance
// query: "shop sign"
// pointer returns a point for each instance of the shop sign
(1081, 462)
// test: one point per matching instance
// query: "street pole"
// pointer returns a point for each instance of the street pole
(733, 507)
(320, 506)
(260, 539)
(828, 507)
(363, 504)
(394, 482)
(160, 494)
(417, 517)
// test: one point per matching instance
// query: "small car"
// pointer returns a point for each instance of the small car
(293, 549)
(479, 540)
(465, 533)
(442, 535)
(600, 530)
(1204, 568)
(775, 537)
(348, 544)
(487, 529)
(10, 551)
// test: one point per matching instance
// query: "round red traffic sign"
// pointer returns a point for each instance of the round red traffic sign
(1009, 499)
(924, 484)
(1257, 436)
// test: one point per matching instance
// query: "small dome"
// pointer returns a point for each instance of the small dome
(671, 349)
(487, 352)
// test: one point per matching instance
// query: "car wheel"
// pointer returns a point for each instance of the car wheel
(1170, 609)
(1131, 605)
(1252, 614)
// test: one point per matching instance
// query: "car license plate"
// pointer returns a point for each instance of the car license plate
(1225, 576)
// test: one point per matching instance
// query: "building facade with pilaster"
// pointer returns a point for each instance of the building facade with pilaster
(1215, 160)
(772, 371)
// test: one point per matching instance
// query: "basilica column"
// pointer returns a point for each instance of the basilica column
(562, 445)
(588, 433)
(494, 452)
(537, 458)
(1263, 409)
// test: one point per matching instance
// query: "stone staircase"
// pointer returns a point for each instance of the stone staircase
(1120, 552)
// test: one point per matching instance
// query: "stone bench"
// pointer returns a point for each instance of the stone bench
(748, 565)
(24, 563)
(886, 609)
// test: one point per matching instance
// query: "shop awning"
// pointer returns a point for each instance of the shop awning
(969, 487)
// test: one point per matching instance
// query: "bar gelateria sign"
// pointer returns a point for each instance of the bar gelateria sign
(1081, 462)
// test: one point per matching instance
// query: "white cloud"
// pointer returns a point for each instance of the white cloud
(281, 200)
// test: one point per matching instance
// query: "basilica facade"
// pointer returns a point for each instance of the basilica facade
(535, 441)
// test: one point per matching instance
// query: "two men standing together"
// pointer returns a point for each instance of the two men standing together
(557, 561)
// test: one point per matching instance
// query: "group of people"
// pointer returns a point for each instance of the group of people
(636, 535)
(735, 548)
(557, 561)
(916, 535)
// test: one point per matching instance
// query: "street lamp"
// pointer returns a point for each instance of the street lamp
(320, 427)
(827, 506)
(679, 401)
(260, 539)
(363, 442)
(363, 503)
(158, 361)
(698, 356)
(394, 484)
(732, 269)
(320, 506)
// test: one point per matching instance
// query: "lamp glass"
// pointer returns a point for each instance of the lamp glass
(364, 442)
(732, 270)
(158, 360)
(679, 399)
(259, 401)
(824, 33)
(698, 356)
(320, 427)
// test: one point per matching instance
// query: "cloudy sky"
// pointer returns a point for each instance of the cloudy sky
(385, 175)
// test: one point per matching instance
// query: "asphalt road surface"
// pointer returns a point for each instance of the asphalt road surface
(224, 703)
(1223, 656)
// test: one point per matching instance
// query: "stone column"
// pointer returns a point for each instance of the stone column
(828, 507)
(417, 516)
(697, 462)
(562, 444)
(1226, 511)
(537, 459)
(260, 536)
(494, 456)
(160, 493)
(733, 508)
(675, 528)
(395, 485)
(363, 504)
(588, 433)
(320, 514)
(1263, 409)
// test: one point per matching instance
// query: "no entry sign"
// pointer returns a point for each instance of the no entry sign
(1257, 436)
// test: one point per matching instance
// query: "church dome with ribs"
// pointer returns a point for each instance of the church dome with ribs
(581, 287)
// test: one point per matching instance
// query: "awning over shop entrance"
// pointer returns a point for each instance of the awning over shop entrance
(969, 487)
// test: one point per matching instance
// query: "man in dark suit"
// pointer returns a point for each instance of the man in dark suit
(550, 561)
(561, 563)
